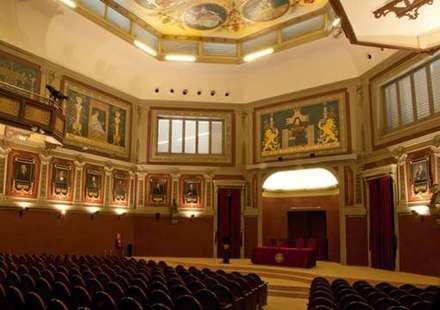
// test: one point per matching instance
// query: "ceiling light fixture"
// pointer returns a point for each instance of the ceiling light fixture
(253, 56)
(180, 57)
(145, 48)
(69, 3)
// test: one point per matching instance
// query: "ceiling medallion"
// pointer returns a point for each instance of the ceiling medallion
(409, 8)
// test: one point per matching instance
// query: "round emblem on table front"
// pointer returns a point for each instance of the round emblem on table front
(279, 258)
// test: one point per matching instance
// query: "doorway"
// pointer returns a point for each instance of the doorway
(308, 229)
(229, 220)
(382, 241)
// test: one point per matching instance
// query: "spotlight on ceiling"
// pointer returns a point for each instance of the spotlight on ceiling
(145, 48)
(69, 3)
(253, 56)
(180, 57)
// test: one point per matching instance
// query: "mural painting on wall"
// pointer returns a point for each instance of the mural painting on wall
(96, 121)
(420, 175)
(158, 190)
(192, 191)
(61, 187)
(316, 126)
(93, 184)
(19, 73)
(120, 187)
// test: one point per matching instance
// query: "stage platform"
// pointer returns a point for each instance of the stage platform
(288, 287)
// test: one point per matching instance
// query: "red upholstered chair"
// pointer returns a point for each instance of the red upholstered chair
(384, 303)
(421, 305)
(27, 283)
(160, 297)
(224, 296)
(299, 243)
(129, 303)
(408, 300)
(208, 300)
(43, 288)
(358, 305)
(80, 297)
(103, 301)
(34, 302)
(14, 298)
(139, 294)
(196, 286)
(159, 307)
(114, 290)
(56, 304)
(62, 292)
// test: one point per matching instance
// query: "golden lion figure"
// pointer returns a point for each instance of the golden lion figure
(328, 129)
(270, 141)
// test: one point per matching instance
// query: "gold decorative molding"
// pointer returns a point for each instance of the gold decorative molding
(408, 8)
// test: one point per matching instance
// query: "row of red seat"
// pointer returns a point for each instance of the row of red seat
(92, 282)
(363, 296)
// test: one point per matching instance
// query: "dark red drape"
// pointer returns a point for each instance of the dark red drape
(229, 214)
(382, 244)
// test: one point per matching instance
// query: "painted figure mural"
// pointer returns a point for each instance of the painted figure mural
(265, 10)
(205, 16)
(96, 121)
(120, 188)
(61, 180)
(19, 73)
(294, 128)
(23, 176)
(191, 191)
(158, 191)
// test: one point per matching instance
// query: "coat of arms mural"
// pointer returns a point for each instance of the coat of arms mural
(297, 128)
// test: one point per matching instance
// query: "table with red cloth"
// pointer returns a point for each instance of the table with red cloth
(281, 256)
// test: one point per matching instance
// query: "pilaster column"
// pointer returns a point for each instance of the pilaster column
(4, 154)
(208, 191)
(140, 189)
(175, 195)
(131, 188)
(44, 175)
(78, 180)
(108, 184)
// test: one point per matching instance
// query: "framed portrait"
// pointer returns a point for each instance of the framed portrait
(22, 174)
(420, 175)
(61, 185)
(192, 191)
(94, 179)
(96, 120)
(120, 187)
(158, 190)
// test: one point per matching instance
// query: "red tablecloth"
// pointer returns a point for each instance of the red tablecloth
(293, 257)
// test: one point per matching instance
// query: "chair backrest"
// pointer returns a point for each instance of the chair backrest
(43, 288)
(56, 304)
(358, 305)
(80, 297)
(34, 302)
(93, 285)
(139, 294)
(129, 303)
(159, 307)
(179, 290)
(408, 300)
(27, 283)
(13, 279)
(322, 301)
(196, 286)
(207, 299)
(14, 298)
(223, 294)
(188, 302)
(115, 290)
(103, 301)
(384, 303)
(346, 299)
(62, 292)
(161, 297)
(421, 305)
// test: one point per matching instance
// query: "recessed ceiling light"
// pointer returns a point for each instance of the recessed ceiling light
(145, 48)
(259, 54)
(69, 3)
(180, 57)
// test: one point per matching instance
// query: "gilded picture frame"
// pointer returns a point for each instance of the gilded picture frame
(61, 180)
(158, 190)
(96, 122)
(23, 174)
(191, 189)
(120, 187)
(94, 179)
(306, 127)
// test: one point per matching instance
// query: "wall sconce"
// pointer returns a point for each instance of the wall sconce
(120, 213)
(93, 215)
(62, 214)
(420, 210)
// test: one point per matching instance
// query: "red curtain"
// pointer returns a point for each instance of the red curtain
(229, 220)
(382, 245)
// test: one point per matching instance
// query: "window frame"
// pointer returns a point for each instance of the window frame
(387, 128)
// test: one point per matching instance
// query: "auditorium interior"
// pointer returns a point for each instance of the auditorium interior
(219, 154)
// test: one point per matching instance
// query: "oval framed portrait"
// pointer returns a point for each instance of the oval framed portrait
(265, 10)
(205, 16)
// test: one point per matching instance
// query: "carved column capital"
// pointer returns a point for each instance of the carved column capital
(400, 155)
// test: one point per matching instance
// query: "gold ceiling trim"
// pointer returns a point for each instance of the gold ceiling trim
(402, 8)
(279, 45)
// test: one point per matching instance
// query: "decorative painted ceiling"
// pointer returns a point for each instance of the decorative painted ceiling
(214, 31)
(227, 19)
